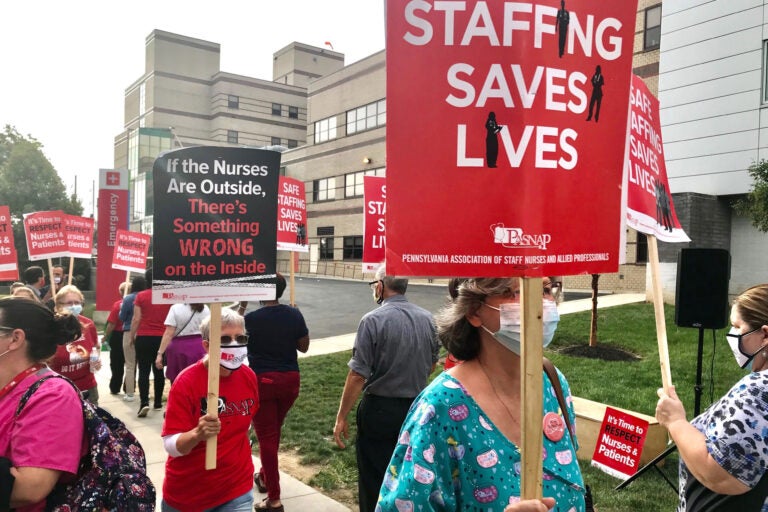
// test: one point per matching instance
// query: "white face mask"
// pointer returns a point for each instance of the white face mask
(57, 280)
(509, 324)
(734, 341)
(232, 356)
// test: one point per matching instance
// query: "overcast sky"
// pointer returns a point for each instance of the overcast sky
(66, 65)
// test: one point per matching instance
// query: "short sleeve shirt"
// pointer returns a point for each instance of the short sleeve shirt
(152, 315)
(273, 333)
(114, 316)
(48, 432)
(395, 348)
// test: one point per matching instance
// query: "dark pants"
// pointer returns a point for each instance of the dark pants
(146, 353)
(277, 393)
(378, 425)
(116, 361)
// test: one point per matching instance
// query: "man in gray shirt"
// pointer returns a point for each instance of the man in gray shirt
(395, 351)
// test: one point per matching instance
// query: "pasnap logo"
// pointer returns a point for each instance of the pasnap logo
(516, 238)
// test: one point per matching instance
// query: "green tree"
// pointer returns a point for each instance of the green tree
(755, 203)
(29, 183)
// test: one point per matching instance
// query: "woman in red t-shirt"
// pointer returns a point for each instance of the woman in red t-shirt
(73, 359)
(147, 328)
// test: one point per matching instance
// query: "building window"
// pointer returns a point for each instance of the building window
(641, 254)
(293, 112)
(367, 117)
(325, 130)
(353, 248)
(652, 34)
(292, 143)
(324, 190)
(326, 248)
(275, 141)
(326, 242)
(353, 182)
(277, 109)
(232, 136)
(233, 101)
(765, 71)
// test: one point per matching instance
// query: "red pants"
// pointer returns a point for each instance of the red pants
(277, 392)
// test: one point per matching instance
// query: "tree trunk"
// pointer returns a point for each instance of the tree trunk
(593, 326)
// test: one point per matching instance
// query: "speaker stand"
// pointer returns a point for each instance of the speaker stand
(671, 447)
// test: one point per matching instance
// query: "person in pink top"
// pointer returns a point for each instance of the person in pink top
(147, 328)
(43, 444)
(73, 359)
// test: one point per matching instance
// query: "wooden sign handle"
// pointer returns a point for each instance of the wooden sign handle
(658, 307)
(214, 357)
(531, 386)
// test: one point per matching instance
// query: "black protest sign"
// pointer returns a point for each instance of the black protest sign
(215, 225)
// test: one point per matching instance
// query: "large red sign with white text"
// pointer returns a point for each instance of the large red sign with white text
(374, 227)
(291, 216)
(649, 200)
(506, 128)
(620, 443)
(113, 215)
(9, 262)
(45, 235)
(131, 250)
(79, 232)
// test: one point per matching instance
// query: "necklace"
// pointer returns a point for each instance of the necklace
(493, 388)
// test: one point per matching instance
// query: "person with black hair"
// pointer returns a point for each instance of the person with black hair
(275, 332)
(43, 443)
(34, 278)
(147, 328)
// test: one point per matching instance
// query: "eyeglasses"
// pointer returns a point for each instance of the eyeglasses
(373, 284)
(4, 328)
(71, 303)
(240, 339)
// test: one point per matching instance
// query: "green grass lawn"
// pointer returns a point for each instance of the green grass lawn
(630, 385)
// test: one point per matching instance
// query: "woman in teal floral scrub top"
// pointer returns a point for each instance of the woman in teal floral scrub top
(458, 448)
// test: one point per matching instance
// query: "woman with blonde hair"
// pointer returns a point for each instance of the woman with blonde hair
(73, 359)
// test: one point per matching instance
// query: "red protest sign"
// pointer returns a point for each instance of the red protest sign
(374, 228)
(45, 235)
(514, 117)
(291, 216)
(131, 251)
(79, 233)
(9, 262)
(649, 200)
(620, 443)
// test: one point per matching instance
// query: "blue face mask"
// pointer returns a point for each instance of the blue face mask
(76, 309)
(509, 324)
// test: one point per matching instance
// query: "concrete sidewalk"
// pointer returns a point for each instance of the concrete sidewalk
(296, 496)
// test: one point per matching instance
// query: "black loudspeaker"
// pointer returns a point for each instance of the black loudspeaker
(701, 296)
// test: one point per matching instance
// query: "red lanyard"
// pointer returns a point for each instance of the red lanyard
(20, 377)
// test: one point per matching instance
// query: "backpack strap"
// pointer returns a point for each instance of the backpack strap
(34, 387)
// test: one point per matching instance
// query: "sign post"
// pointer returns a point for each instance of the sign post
(517, 116)
(113, 215)
(215, 233)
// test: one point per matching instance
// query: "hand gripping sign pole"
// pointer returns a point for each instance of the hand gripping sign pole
(214, 356)
(531, 386)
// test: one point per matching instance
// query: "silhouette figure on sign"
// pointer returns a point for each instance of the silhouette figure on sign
(663, 208)
(561, 27)
(491, 140)
(597, 94)
(301, 234)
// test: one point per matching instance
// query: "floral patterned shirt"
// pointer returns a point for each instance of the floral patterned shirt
(450, 456)
(736, 431)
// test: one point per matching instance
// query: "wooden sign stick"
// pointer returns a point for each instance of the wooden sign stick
(293, 263)
(71, 269)
(658, 307)
(214, 356)
(127, 283)
(531, 386)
